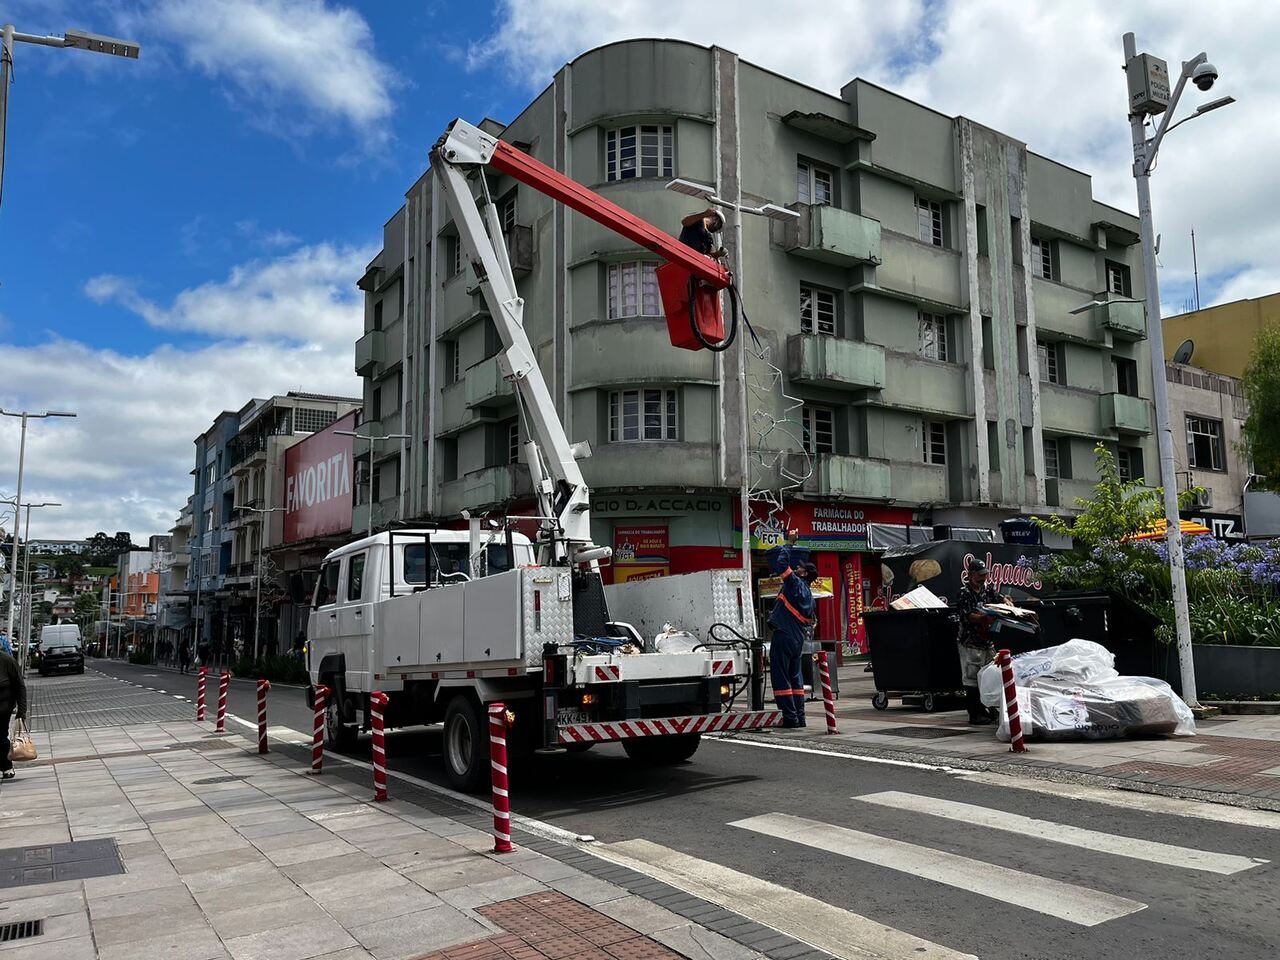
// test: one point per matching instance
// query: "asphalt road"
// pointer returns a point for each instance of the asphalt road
(1043, 876)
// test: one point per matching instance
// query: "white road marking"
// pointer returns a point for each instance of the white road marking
(1149, 851)
(886, 761)
(1053, 898)
(825, 927)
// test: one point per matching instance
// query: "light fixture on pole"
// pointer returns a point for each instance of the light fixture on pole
(772, 211)
(25, 612)
(372, 440)
(257, 575)
(1086, 307)
(24, 415)
(1148, 82)
(74, 39)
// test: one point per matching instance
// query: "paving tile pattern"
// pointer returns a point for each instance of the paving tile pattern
(94, 700)
(1239, 766)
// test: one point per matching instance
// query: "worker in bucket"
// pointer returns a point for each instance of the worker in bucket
(696, 231)
(792, 613)
(974, 638)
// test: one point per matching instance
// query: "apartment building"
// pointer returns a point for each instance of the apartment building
(238, 503)
(929, 309)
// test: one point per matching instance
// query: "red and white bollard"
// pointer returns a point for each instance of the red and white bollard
(317, 733)
(224, 681)
(498, 767)
(263, 687)
(378, 704)
(204, 676)
(828, 696)
(1011, 702)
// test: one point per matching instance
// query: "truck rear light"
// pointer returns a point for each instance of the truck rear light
(588, 699)
(537, 611)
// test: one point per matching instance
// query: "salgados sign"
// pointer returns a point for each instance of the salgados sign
(319, 473)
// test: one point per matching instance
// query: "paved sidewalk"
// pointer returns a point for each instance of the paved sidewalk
(164, 840)
(1235, 758)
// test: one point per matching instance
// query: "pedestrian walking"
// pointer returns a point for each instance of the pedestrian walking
(184, 658)
(13, 705)
(792, 613)
(974, 638)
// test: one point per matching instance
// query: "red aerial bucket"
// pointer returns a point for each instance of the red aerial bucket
(673, 284)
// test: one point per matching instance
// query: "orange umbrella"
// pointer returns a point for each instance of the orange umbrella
(1157, 530)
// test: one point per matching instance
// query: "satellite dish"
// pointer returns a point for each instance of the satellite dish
(1183, 353)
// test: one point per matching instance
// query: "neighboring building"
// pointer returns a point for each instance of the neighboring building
(238, 508)
(921, 309)
(1209, 411)
(58, 548)
(175, 621)
(1222, 336)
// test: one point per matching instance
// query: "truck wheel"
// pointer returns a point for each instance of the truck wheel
(663, 751)
(466, 746)
(337, 735)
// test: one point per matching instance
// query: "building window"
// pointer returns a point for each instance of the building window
(509, 214)
(375, 405)
(1204, 443)
(453, 357)
(988, 345)
(633, 290)
(1042, 258)
(1129, 464)
(1126, 376)
(819, 429)
(1118, 279)
(642, 415)
(453, 252)
(993, 445)
(377, 315)
(1050, 356)
(933, 337)
(211, 475)
(929, 218)
(310, 420)
(639, 151)
(513, 441)
(814, 183)
(817, 311)
(935, 442)
(1052, 469)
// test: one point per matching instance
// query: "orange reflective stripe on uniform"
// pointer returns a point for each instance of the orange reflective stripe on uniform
(787, 572)
(792, 610)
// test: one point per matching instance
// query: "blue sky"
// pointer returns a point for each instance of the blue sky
(184, 232)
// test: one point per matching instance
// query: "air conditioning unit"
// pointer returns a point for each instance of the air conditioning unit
(1203, 500)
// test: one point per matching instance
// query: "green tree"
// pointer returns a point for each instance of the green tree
(103, 550)
(1262, 390)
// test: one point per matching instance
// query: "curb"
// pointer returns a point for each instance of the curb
(1245, 708)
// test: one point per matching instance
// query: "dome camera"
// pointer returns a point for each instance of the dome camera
(1204, 76)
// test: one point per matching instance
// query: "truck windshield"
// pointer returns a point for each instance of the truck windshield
(448, 558)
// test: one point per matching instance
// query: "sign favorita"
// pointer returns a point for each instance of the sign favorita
(318, 484)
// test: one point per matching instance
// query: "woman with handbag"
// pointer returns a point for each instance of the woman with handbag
(13, 702)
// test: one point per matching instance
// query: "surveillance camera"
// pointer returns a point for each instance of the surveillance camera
(1204, 76)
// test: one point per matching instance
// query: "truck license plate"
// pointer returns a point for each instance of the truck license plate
(567, 715)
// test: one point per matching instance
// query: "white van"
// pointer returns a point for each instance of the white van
(60, 635)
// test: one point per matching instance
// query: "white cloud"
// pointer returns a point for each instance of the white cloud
(307, 295)
(1048, 74)
(124, 462)
(278, 54)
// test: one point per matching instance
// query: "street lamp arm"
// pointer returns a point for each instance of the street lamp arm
(1153, 144)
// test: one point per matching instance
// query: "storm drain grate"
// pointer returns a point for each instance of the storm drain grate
(22, 930)
(229, 778)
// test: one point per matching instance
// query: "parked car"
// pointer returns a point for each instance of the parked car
(60, 650)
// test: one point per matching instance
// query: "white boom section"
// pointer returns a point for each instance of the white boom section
(561, 490)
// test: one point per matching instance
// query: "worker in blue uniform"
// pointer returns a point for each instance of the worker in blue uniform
(792, 613)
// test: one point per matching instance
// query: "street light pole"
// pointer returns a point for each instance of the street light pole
(25, 623)
(372, 440)
(77, 39)
(1144, 88)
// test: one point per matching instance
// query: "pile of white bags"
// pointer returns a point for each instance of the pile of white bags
(1073, 692)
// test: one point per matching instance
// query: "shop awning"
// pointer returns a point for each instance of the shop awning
(1157, 530)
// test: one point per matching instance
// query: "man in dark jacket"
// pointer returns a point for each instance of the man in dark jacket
(696, 231)
(13, 702)
(792, 613)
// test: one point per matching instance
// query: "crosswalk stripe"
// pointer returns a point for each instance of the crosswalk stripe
(828, 928)
(1150, 851)
(1054, 898)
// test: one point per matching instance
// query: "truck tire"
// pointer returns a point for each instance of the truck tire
(662, 751)
(337, 735)
(465, 746)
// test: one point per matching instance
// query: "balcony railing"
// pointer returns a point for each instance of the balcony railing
(486, 386)
(833, 362)
(836, 475)
(1125, 320)
(370, 352)
(832, 235)
(1125, 414)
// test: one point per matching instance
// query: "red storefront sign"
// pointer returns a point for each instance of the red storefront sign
(319, 474)
(857, 632)
(822, 526)
(641, 551)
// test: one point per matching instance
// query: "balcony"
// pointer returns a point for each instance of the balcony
(487, 487)
(370, 352)
(832, 362)
(485, 385)
(520, 250)
(832, 235)
(1126, 321)
(1065, 410)
(835, 475)
(1125, 414)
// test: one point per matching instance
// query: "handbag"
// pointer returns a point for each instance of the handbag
(22, 747)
